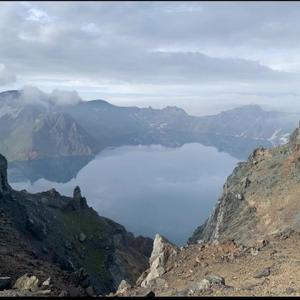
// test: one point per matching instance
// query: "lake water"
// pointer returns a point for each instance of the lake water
(148, 189)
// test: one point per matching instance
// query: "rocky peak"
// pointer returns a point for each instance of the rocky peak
(163, 251)
(77, 193)
(162, 246)
(78, 202)
(4, 186)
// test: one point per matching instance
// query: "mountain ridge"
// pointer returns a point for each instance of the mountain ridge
(101, 124)
(65, 234)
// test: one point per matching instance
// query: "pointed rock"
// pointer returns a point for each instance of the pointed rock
(162, 251)
(77, 193)
(123, 287)
(78, 202)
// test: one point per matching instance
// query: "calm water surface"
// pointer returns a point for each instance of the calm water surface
(148, 189)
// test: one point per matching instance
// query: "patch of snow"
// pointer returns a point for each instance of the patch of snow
(284, 139)
(8, 110)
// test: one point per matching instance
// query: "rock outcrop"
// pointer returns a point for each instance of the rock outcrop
(260, 197)
(26, 282)
(50, 235)
(4, 187)
(163, 251)
(230, 269)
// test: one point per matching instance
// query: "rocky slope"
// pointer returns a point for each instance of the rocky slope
(248, 246)
(268, 268)
(50, 235)
(259, 198)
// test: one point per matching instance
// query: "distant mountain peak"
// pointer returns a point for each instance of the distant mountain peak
(174, 109)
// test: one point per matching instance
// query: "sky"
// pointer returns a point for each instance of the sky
(202, 56)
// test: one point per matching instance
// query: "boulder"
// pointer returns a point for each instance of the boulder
(46, 283)
(123, 287)
(82, 237)
(90, 291)
(26, 282)
(263, 273)
(162, 251)
(215, 279)
(5, 283)
(290, 290)
(203, 285)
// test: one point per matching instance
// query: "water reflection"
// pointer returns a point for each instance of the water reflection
(52, 169)
(148, 189)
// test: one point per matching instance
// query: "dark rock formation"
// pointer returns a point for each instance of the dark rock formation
(61, 233)
(78, 203)
(4, 187)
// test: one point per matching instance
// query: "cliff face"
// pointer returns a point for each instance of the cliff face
(4, 187)
(58, 135)
(66, 234)
(260, 197)
(248, 246)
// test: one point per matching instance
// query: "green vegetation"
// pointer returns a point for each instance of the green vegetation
(88, 222)
(95, 263)
(85, 221)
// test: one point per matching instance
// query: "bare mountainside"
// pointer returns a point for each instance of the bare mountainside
(259, 198)
(249, 245)
(36, 127)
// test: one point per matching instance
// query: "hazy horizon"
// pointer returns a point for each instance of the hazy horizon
(202, 56)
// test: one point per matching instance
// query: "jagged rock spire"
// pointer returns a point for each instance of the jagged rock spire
(78, 202)
(163, 250)
(77, 193)
(4, 186)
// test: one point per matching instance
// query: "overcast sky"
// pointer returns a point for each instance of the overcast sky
(201, 56)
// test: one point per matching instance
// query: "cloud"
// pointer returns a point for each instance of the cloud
(60, 97)
(33, 95)
(198, 49)
(90, 28)
(6, 75)
(37, 15)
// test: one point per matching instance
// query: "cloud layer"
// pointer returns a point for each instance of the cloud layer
(156, 53)
(6, 76)
(32, 95)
